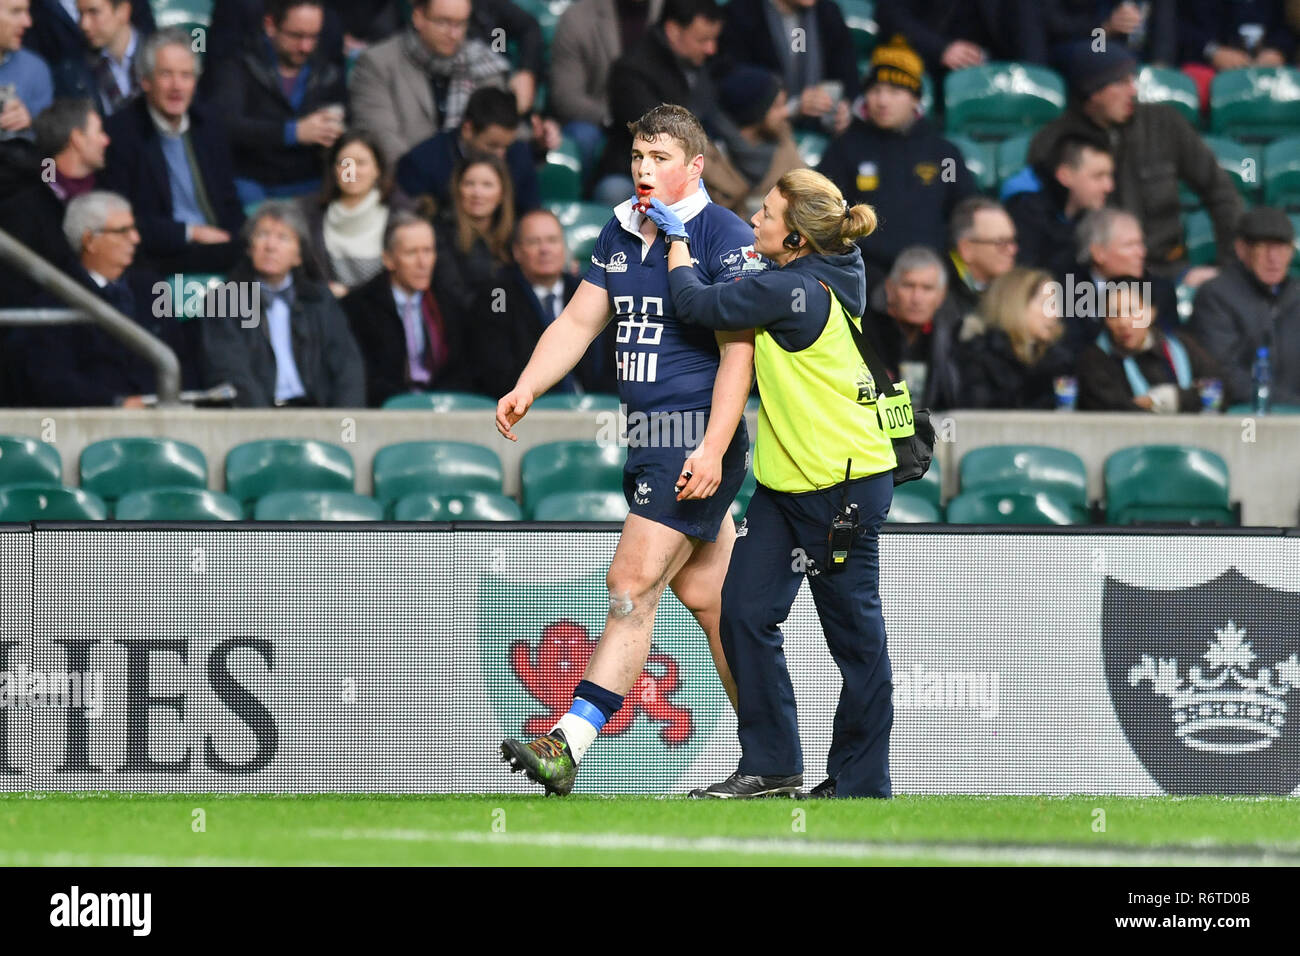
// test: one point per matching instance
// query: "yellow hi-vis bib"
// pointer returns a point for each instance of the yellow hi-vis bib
(818, 411)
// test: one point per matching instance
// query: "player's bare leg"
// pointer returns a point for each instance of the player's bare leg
(698, 585)
(649, 555)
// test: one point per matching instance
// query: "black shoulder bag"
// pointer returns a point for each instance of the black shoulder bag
(908, 428)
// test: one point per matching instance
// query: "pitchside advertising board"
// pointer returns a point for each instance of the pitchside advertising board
(257, 660)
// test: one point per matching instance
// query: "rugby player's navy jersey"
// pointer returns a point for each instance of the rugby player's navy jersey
(665, 365)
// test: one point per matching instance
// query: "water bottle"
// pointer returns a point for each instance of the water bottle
(1262, 375)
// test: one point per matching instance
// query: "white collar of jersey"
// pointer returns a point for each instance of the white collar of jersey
(685, 209)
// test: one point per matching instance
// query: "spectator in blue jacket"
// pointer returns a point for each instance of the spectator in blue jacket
(1149, 29)
(491, 125)
(26, 87)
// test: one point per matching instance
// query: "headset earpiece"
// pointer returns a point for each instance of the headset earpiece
(792, 241)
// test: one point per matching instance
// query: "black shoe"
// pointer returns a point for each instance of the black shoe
(825, 789)
(741, 786)
(547, 760)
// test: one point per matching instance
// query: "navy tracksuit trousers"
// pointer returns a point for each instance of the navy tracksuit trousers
(762, 581)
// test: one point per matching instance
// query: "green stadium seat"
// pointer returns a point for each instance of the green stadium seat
(441, 402)
(436, 467)
(909, 508)
(998, 100)
(1012, 154)
(993, 507)
(24, 459)
(317, 506)
(570, 466)
(1256, 104)
(582, 506)
(560, 177)
(1281, 162)
(1239, 161)
(588, 402)
(582, 222)
(1198, 236)
(1175, 88)
(1025, 469)
(929, 486)
(981, 160)
(45, 501)
(182, 13)
(746, 492)
(258, 468)
(1246, 408)
(811, 145)
(860, 18)
(471, 506)
(177, 504)
(1167, 484)
(116, 466)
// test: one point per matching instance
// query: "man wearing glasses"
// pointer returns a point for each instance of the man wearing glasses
(74, 365)
(983, 248)
(419, 81)
(283, 103)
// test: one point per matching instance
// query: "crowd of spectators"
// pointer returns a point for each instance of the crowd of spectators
(376, 170)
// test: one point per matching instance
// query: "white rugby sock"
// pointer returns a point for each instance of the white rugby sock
(579, 732)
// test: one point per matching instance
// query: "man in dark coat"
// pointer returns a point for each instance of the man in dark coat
(56, 34)
(83, 364)
(408, 341)
(914, 338)
(669, 65)
(954, 34)
(275, 97)
(762, 33)
(1254, 303)
(1047, 202)
(294, 348)
(533, 292)
(1154, 149)
(893, 159)
(173, 164)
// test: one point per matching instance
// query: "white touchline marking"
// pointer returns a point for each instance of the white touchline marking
(963, 853)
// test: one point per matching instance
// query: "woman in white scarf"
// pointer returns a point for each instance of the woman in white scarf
(349, 215)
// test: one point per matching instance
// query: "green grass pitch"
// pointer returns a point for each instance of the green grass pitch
(88, 829)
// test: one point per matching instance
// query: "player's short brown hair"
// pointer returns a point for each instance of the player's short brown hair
(675, 122)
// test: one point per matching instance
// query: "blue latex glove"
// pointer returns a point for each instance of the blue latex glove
(665, 219)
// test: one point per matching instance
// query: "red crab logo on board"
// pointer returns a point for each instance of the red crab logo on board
(552, 669)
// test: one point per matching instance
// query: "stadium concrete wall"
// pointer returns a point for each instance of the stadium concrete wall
(1260, 452)
(394, 658)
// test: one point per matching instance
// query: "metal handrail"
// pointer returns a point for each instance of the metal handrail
(88, 307)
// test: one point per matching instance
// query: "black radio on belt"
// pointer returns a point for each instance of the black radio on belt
(844, 529)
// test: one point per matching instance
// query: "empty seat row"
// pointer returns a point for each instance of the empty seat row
(1030, 484)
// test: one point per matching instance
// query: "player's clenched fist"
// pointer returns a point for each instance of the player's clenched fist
(510, 409)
